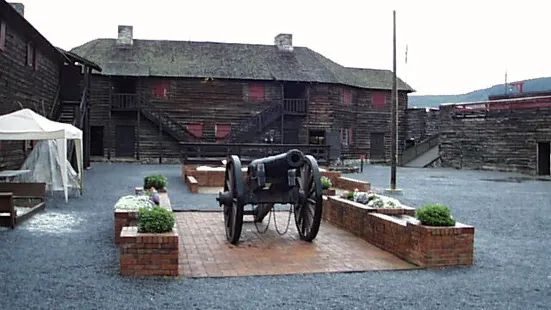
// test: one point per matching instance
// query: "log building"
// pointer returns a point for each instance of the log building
(36, 75)
(153, 94)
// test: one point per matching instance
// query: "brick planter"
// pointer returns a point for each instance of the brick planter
(215, 178)
(340, 205)
(204, 178)
(124, 218)
(402, 235)
(351, 184)
(148, 254)
(329, 192)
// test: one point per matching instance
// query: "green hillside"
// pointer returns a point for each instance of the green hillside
(532, 85)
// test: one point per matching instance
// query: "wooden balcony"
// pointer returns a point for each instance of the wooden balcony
(294, 106)
(124, 102)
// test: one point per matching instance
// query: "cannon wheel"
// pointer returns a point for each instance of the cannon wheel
(308, 212)
(233, 213)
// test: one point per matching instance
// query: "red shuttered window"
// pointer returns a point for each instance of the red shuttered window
(347, 97)
(196, 129)
(222, 132)
(161, 90)
(378, 99)
(257, 92)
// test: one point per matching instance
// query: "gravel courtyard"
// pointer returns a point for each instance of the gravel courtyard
(65, 257)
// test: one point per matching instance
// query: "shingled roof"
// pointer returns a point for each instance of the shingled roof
(228, 61)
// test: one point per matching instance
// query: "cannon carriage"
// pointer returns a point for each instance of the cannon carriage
(287, 178)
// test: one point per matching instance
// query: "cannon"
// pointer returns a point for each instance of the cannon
(287, 178)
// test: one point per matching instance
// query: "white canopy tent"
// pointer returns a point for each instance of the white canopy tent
(25, 124)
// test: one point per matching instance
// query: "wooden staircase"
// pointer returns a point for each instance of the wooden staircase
(68, 112)
(249, 129)
(172, 127)
(240, 132)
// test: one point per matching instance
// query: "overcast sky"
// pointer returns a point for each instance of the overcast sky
(454, 46)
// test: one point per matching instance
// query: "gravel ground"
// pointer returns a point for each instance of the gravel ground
(65, 258)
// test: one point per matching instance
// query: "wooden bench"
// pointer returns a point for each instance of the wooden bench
(193, 184)
(25, 190)
(28, 195)
(7, 210)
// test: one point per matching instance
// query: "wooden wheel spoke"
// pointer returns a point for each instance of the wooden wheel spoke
(308, 213)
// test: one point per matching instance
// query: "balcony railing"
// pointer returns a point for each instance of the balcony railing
(294, 106)
(124, 102)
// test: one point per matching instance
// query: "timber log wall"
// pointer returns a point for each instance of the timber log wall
(329, 107)
(29, 77)
(505, 140)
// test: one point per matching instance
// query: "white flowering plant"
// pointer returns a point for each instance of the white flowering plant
(133, 202)
(372, 199)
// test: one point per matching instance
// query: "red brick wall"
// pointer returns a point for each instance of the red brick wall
(421, 245)
(123, 219)
(148, 254)
(351, 184)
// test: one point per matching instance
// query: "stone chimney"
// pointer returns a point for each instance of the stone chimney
(19, 7)
(284, 42)
(125, 38)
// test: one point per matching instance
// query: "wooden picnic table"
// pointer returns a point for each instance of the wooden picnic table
(7, 175)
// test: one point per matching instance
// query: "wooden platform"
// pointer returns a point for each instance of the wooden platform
(204, 251)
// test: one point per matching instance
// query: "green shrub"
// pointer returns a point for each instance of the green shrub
(155, 180)
(435, 215)
(155, 220)
(326, 182)
(350, 196)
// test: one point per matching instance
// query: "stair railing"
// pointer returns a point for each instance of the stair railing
(176, 129)
(241, 130)
(418, 149)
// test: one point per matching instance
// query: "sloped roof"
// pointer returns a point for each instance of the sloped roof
(228, 61)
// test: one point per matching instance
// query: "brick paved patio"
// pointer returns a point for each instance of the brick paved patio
(204, 251)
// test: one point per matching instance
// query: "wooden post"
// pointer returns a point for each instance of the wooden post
(110, 132)
(393, 109)
(160, 140)
(88, 134)
(138, 134)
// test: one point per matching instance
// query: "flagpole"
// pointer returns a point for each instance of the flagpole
(393, 112)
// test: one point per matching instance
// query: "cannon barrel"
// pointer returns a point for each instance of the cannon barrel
(276, 167)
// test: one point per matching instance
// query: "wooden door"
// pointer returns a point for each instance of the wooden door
(333, 139)
(544, 158)
(125, 141)
(96, 141)
(377, 150)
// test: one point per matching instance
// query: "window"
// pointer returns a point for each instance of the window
(2, 35)
(30, 55)
(346, 136)
(347, 97)
(257, 92)
(161, 89)
(378, 99)
(222, 132)
(195, 129)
